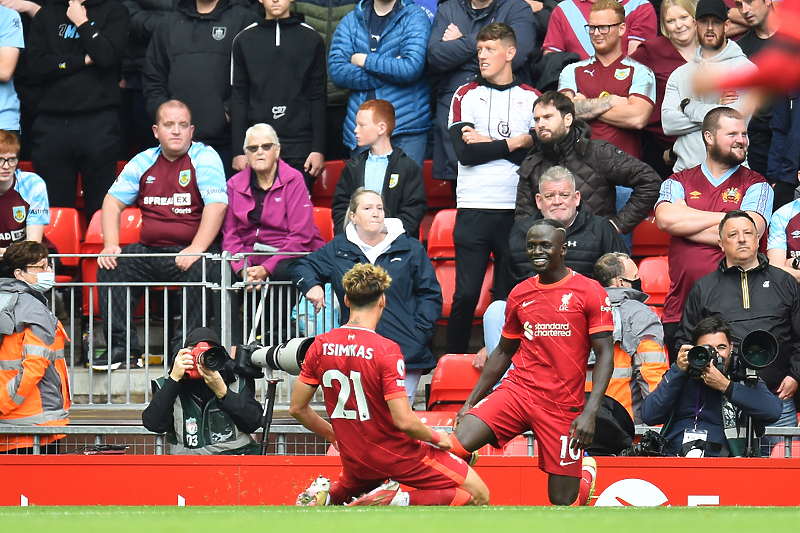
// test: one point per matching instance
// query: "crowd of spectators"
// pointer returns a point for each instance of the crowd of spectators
(577, 111)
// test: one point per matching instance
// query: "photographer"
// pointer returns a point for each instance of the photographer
(706, 415)
(212, 415)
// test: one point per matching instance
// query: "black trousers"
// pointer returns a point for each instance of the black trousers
(670, 330)
(477, 234)
(149, 269)
(62, 146)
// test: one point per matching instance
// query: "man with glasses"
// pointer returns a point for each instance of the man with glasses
(180, 188)
(612, 92)
(565, 31)
(24, 208)
(683, 109)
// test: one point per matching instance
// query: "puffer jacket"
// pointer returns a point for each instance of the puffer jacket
(325, 16)
(589, 237)
(413, 300)
(394, 72)
(598, 166)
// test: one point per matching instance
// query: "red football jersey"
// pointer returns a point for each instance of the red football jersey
(359, 371)
(554, 323)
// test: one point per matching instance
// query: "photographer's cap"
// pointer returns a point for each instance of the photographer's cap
(716, 8)
(201, 335)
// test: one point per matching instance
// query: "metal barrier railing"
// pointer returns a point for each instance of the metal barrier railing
(228, 304)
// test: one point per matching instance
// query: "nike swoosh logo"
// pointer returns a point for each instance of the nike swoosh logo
(526, 304)
(396, 259)
(562, 463)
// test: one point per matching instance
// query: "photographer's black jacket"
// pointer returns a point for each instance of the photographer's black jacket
(771, 302)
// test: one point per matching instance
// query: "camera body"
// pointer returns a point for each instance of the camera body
(213, 358)
(699, 357)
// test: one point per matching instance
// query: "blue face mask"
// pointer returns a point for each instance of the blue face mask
(44, 281)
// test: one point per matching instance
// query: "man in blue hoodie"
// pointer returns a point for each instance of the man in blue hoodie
(378, 51)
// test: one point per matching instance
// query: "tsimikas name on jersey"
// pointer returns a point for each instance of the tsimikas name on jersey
(346, 350)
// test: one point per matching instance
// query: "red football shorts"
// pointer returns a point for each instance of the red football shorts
(433, 468)
(508, 413)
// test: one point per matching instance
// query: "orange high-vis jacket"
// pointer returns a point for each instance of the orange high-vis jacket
(635, 377)
(34, 381)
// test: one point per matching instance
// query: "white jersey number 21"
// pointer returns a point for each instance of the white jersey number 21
(344, 394)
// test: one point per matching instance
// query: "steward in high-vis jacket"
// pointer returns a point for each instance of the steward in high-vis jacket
(208, 416)
(34, 383)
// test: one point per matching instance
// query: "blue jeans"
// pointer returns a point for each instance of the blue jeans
(623, 195)
(413, 145)
(788, 419)
(493, 319)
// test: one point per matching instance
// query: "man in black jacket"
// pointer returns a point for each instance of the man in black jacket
(74, 48)
(771, 302)
(212, 415)
(598, 166)
(279, 77)
(383, 168)
(189, 60)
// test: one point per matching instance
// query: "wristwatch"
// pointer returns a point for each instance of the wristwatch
(796, 263)
(684, 103)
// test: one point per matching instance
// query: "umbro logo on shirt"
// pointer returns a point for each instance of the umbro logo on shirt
(796, 234)
(150, 179)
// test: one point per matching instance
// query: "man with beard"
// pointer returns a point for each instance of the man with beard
(597, 166)
(694, 201)
(553, 320)
(683, 109)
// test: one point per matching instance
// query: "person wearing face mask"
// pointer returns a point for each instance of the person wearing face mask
(34, 384)
(639, 355)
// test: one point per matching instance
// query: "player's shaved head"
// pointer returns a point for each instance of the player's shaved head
(557, 227)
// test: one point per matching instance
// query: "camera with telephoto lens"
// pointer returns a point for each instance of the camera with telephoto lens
(758, 350)
(213, 358)
(288, 356)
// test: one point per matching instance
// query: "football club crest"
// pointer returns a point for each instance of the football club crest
(731, 194)
(520, 106)
(393, 179)
(504, 129)
(622, 73)
(218, 32)
(185, 177)
(191, 426)
(19, 213)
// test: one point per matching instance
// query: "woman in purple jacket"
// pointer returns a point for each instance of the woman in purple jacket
(269, 209)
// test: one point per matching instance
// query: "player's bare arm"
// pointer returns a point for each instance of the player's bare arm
(300, 409)
(497, 365)
(406, 421)
(581, 433)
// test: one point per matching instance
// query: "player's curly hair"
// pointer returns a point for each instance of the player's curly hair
(364, 284)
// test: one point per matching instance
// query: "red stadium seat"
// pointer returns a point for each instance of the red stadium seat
(129, 227)
(654, 273)
(779, 451)
(516, 447)
(64, 232)
(323, 220)
(453, 380)
(322, 192)
(446, 275)
(438, 192)
(440, 237)
(648, 240)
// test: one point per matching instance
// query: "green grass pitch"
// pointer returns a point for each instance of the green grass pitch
(405, 520)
